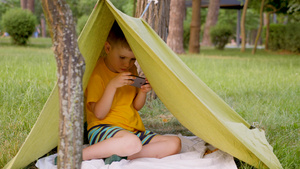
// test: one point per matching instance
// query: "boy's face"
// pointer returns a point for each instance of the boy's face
(119, 59)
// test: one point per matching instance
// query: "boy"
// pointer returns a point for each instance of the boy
(115, 128)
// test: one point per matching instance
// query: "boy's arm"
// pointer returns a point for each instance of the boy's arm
(140, 99)
(102, 107)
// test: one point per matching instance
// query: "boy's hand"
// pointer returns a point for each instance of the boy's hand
(122, 79)
(140, 99)
(146, 88)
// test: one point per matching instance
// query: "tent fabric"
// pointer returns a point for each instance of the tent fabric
(189, 99)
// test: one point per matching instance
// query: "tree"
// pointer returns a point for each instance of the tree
(243, 30)
(70, 67)
(272, 7)
(27, 4)
(260, 26)
(211, 20)
(294, 8)
(267, 29)
(157, 17)
(175, 36)
(194, 43)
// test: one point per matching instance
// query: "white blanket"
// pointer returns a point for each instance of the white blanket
(191, 157)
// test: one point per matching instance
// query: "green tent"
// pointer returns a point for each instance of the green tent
(193, 103)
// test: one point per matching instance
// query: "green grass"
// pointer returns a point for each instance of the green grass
(27, 75)
(263, 88)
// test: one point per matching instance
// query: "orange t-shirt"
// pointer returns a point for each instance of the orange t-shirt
(122, 113)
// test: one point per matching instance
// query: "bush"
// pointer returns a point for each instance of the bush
(275, 36)
(292, 38)
(80, 23)
(220, 35)
(284, 37)
(19, 24)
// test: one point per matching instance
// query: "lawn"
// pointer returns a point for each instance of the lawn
(263, 88)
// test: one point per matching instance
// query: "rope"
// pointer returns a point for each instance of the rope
(149, 2)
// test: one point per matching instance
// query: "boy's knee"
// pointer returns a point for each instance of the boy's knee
(132, 144)
(175, 142)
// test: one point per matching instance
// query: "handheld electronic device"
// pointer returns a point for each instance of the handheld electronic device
(138, 81)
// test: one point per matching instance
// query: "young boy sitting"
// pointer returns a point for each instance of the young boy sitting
(115, 128)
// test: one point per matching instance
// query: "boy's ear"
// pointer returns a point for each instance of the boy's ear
(107, 47)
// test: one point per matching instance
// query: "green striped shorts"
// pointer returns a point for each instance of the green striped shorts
(104, 131)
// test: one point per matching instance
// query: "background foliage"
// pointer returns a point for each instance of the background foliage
(220, 35)
(20, 24)
(285, 37)
(287, 12)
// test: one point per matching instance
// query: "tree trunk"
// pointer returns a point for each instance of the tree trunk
(253, 36)
(157, 16)
(260, 26)
(23, 4)
(267, 30)
(70, 67)
(175, 36)
(211, 20)
(268, 24)
(43, 26)
(30, 5)
(243, 30)
(194, 43)
(27, 4)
